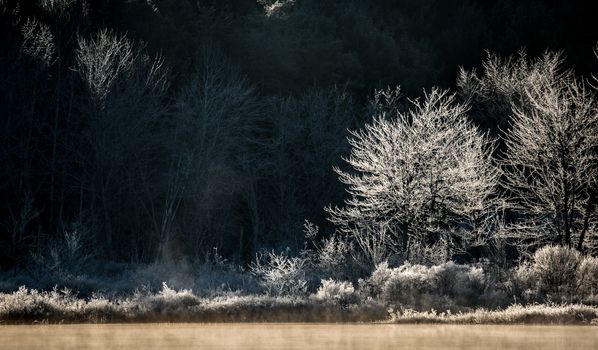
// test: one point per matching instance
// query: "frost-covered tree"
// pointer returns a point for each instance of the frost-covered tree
(421, 181)
(500, 84)
(38, 42)
(550, 163)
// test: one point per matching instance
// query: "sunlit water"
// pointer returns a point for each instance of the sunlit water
(296, 336)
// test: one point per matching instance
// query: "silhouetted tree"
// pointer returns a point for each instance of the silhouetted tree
(125, 103)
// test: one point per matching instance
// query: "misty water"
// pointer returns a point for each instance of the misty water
(296, 336)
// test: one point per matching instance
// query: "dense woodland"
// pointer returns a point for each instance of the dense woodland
(311, 143)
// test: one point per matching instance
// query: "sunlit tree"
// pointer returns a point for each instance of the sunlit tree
(550, 164)
(421, 181)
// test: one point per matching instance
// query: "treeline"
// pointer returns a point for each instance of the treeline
(166, 129)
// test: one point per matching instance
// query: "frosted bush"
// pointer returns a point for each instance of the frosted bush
(464, 283)
(335, 292)
(280, 274)
(170, 301)
(555, 269)
(559, 274)
(523, 280)
(587, 277)
(372, 286)
(331, 258)
(551, 274)
(30, 304)
(418, 286)
(335, 259)
(66, 261)
(407, 286)
(64, 257)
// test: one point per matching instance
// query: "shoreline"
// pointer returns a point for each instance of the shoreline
(32, 307)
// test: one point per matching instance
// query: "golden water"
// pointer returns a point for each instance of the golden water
(296, 336)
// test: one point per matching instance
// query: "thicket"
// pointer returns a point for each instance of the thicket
(535, 292)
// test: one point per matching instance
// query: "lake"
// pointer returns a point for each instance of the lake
(296, 336)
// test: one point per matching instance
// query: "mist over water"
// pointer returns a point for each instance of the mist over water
(296, 336)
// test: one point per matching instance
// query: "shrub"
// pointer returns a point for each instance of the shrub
(280, 274)
(65, 261)
(372, 286)
(557, 273)
(169, 301)
(410, 286)
(335, 259)
(464, 283)
(444, 286)
(334, 292)
(550, 274)
(587, 278)
(555, 269)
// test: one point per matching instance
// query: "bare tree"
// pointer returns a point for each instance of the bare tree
(125, 101)
(501, 84)
(421, 181)
(550, 164)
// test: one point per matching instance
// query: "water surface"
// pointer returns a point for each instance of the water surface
(296, 336)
